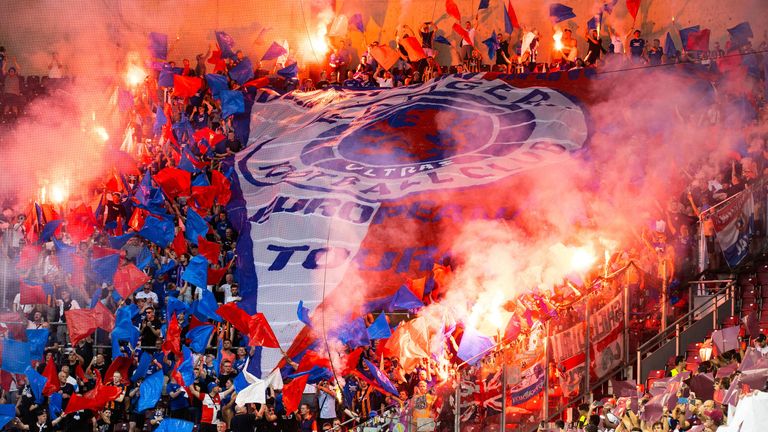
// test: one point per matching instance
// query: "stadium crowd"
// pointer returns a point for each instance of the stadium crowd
(129, 250)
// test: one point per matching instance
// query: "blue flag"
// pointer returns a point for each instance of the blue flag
(186, 368)
(104, 268)
(232, 102)
(356, 20)
(49, 229)
(117, 242)
(195, 226)
(124, 330)
(303, 314)
(16, 356)
(379, 329)
(66, 255)
(196, 273)
(472, 345)
(200, 180)
(37, 339)
(290, 71)
(186, 164)
(240, 382)
(670, 50)
(609, 5)
(160, 121)
(36, 383)
(175, 425)
(492, 45)
(483, 4)
(143, 367)
(740, 34)
(354, 333)
(199, 336)
(7, 413)
(157, 230)
(684, 33)
(150, 390)
(274, 51)
(158, 45)
(404, 299)
(315, 375)
(217, 83)
(242, 72)
(144, 258)
(559, 12)
(217, 360)
(595, 21)
(442, 40)
(165, 79)
(380, 378)
(226, 44)
(207, 305)
(176, 306)
(55, 402)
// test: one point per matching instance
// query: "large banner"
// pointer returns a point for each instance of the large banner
(570, 358)
(606, 327)
(347, 188)
(734, 226)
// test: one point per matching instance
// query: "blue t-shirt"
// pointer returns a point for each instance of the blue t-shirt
(636, 47)
(179, 402)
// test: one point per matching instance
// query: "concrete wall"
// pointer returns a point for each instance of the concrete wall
(97, 33)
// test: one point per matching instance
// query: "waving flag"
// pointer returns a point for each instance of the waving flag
(385, 56)
(195, 225)
(483, 4)
(290, 71)
(292, 393)
(274, 51)
(128, 279)
(49, 229)
(94, 399)
(670, 50)
(206, 306)
(303, 314)
(413, 47)
(186, 371)
(145, 361)
(165, 79)
(124, 331)
(150, 391)
(172, 340)
(217, 83)
(492, 45)
(740, 34)
(159, 231)
(461, 31)
(633, 6)
(184, 86)
(31, 294)
(80, 324)
(37, 339)
(698, 41)
(174, 182)
(438, 39)
(559, 12)
(158, 45)
(232, 102)
(452, 9)
(685, 33)
(510, 18)
(7, 413)
(199, 337)
(472, 345)
(353, 333)
(261, 333)
(36, 383)
(404, 299)
(381, 379)
(105, 268)
(357, 21)
(226, 44)
(52, 384)
(16, 356)
(210, 250)
(242, 72)
(175, 425)
(379, 329)
(197, 273)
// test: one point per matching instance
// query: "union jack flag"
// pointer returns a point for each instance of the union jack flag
(488, 394)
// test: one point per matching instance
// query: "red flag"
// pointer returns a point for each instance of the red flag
(81, 223)
(512, 16)
(203, 133)
(215, 275)
(351, 361)
(172, 342)
(312, 359)
(80, 373)
(101, 251)
(179, 244)
(137, 218)
(80, 324)
(28, 256)
(210, 250)
(633, 6)
(52, 385)
(114, 184)
(128, 279)
(257, 83)
(385, 56)
(119, 364)
(417, 286)
(452, 9)
(174, 182)
(216, 60)
(186, 86)
(292, 393)
(104, 318)
(31, 294)
(261, 333)
(222, 185)
(195, 322)
(237, 317)
(463, 33)
(413, 47)
(204, 196)
(94, 399)
(698, 41)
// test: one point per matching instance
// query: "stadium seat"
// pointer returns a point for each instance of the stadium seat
(653, 376)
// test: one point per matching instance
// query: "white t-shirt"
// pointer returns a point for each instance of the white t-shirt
(147, 295)
(762, 350)
(18, 306)
(384, 82)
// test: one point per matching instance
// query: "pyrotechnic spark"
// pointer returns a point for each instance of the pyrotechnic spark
(558, 37)
(58, 194)
(134, 75)
(101, 133)
(582, 259)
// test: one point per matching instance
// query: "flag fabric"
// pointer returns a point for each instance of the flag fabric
(236, 316)
(217, 83)
(483, 4)
(145, 361)
(104, 268)
(385, 56)
(210, 250)
(510, 18)
(94, 399)
(381, 378)
(232, 102)
(174, 182)
(197, 273)
(179, 244)
(185, 86)
(117, 242)
(461, 31)
(404, 299)
(165, 79)
(452, 9)
(670, 50)
(174, 306)
(222, 185)
(242, 72)
(353, 333)
(119, 364)
(49, 229)
(559, 12)
(608, 5)
(186, 369)
(175, 425)
(261, 333)
(150, 391)
(206, 306)
(438, 39)
(80, 324)
(36, 383)
(37, 338)
(740, 34)
(357, 21)
(492, 45)
(734, 225)
(726, 339)
(199, 337)
(698, 41)
(7, 413)
(128, 279)
(16, 356)
(255, 392)
(31, 294)
(195, 226)
(303, 314)
(257, 83)
(633, 6)
(158, 45)
(684, 33)
(172, 339)
(413, 47)
(124, 331)
(292, 393)
(226, 44)
(52, 384)
(472, 345)
(311, 360)
(379, 328)
(274, 51)
(159, 231)
(593, 22)
(290, 71)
